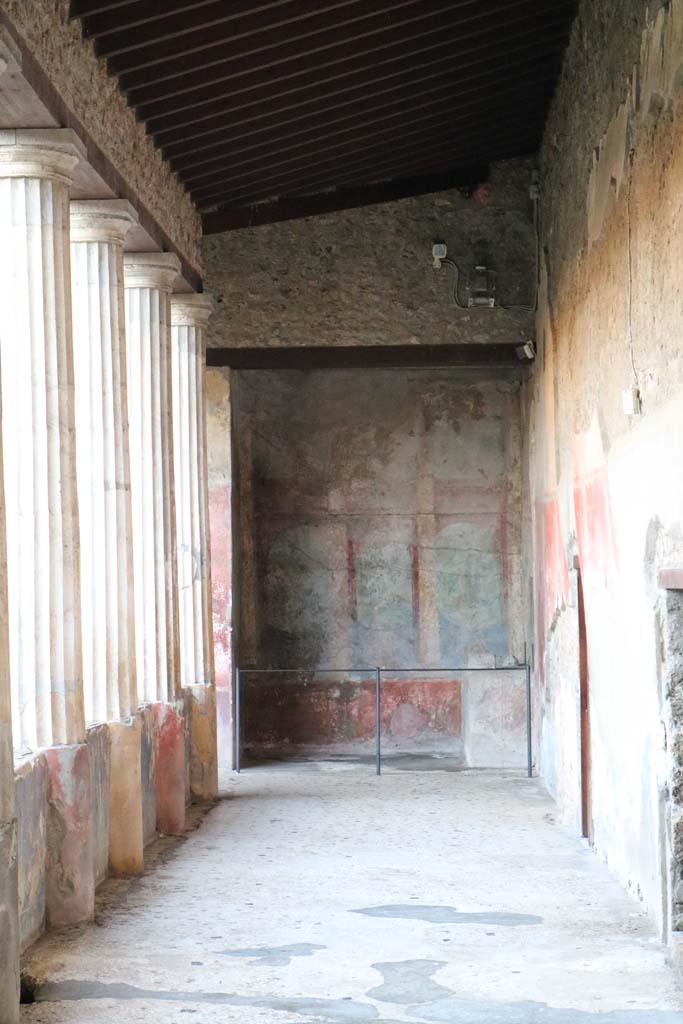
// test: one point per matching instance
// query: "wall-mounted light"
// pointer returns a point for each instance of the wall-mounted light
(526, 352)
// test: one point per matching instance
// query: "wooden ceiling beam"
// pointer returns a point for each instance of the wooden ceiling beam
(462, 107)
(344, 357)
(194, 128)
(427, 157)
(236, 20)
(437, 130)
(307, 55)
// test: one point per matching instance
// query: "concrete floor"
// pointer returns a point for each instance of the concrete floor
(332, 896)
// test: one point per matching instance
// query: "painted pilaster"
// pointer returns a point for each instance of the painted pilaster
(148, 281)
(98, 231)
(219, 454)
(36, 167)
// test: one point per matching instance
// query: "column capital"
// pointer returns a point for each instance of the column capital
(51, 153)
(191, 310)
(101, 220)
(150, 270)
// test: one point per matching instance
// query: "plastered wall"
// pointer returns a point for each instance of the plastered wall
(606, 489)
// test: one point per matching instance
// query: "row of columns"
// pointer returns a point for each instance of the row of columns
(93, 388)
(103, 443)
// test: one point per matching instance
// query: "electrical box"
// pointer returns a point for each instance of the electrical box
(630, 400)
(439, 253)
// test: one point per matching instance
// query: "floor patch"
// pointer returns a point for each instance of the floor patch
(407, 982)
(464, 1011)
(273, 956)
(448, 915)
(331, 1011)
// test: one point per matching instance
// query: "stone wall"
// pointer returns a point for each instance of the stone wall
(380, 524)
(87, 89)
(365, 277)
(606, 491)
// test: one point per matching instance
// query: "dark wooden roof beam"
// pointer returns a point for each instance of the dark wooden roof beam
(444, 96)
(180, 131)
(181, 75)
(489, 355)
(241, 21)
(130, 14)
(256, 40)
(397, 161)
(410, 132)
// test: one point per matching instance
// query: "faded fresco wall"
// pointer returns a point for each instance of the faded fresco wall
(365, 277)
(606, 488)
(380, 524)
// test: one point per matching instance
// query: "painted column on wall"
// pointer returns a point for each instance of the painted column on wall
(220, 479)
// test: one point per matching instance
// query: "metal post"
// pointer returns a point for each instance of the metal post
(238, 730)
(378, 720)
(530, 760)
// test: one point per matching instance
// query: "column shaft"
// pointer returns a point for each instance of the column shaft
(98, 230)
(9, 894)
(190, 313)
(39, 436)
(148, 280)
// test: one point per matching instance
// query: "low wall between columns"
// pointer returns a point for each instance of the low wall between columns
(171, 737)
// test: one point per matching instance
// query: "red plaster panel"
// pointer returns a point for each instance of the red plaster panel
(294, 713)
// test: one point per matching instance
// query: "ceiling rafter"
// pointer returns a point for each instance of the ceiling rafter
(271, 108)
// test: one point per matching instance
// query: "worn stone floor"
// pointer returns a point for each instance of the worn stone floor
(333, 896)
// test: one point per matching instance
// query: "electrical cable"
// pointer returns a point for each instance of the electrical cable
(456, 282)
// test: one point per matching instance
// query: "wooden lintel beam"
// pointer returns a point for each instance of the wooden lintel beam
(324, 357)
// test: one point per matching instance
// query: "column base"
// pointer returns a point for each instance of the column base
(170, 769)
(9, 924)
(201, 706)
(126, 848)
(69, 876)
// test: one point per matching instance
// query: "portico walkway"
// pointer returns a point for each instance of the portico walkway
(330, 895)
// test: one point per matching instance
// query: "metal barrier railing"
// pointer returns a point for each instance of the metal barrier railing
(377, 673)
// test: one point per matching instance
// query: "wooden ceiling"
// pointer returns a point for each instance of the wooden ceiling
(271, 110)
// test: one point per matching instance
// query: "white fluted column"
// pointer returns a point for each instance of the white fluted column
(9, 890)
(36, 167)
(98, 231)
(190, 315)
(149, 280)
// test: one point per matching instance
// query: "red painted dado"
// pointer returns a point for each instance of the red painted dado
(278, 714)
(595, 531)
(552, 574)
(170, 769)
(69, 885)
